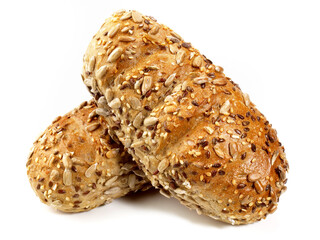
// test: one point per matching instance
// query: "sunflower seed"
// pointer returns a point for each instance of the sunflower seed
(281, 172)
(149, 121)
(197, 61)
(56, 204)
(102, 112)
(94, 88)
(102, 72)
(128, 166)
(170, 80)
(180, 191)
(113, 153)
(137, 84)
(283, 156)
(92, 127)
(246, 99)
(88, 82)
(219, 81)
(200, 80)
(146, 85)
(67, 177)
(125, 29)
(66, 160)
(111, 181)
(246, 200)
(132, 181)
(165, 193)
(252, 177)
(127, 143)
(225, 108)
(274, 157)
(137, 144)
(163, 165)
(176, 35)
(170, 109)
(102, 102)
(153, 67)
(138, 120)
(154, 30)
(54, 175)
(218, 69)
(90, 170)
(173, 48)
(92, 114)
(92, 63)
(112, 191)
(134, 103)
(126, 16)
(180, 56)
(115, 103)
(119, 12)
(109, 95)
(118, 80)
(233, 149)
(139, 173)
(113, 31)
(137, 17)
(79, 161)
(116, 53)
(126, 39)
(218, 151)
(184, 85)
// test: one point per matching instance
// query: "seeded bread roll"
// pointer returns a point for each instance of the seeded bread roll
(194, 133)
(75, 165)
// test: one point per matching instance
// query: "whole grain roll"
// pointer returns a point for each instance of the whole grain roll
(195, 134)
(75, 165)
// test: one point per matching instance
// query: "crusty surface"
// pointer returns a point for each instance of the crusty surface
(75, 166)
(196, 135)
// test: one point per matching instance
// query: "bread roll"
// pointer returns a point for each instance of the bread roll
(195, 134)
(75, 165)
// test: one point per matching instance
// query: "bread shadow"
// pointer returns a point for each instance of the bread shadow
(153, 200)
(150, 199)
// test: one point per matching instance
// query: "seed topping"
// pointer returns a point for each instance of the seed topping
(116, 53)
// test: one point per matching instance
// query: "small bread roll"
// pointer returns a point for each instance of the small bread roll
(195, 134)
(75, 165)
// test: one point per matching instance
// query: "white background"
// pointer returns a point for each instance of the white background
(270, 48)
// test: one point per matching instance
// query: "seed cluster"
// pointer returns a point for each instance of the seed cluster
(75, 165)
(192, 130)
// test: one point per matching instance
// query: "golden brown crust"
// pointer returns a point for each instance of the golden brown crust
(193, 131)
(75, 165)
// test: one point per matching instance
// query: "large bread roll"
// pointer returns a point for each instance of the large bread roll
(195, 134)
(75, 166)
